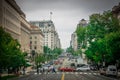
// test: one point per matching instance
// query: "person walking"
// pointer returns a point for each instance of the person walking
(23, 70)
(53, 70)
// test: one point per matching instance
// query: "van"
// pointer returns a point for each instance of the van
(111, 70)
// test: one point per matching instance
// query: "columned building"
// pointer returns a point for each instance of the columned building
(50, 34)
(25, 34)
(36, 40)
(12, 19)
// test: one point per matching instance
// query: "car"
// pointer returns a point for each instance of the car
(111, 70)
(56, 62)
(46, 67)
(80, 65)
(93, 67)
(72, 64)
(102, 71)
(83, 68)
(66, 69)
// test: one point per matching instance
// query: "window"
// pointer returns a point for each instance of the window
(35, 47)
(48, 24)
(30, 42)
(31, 37)
(35, 37)
(35, 42)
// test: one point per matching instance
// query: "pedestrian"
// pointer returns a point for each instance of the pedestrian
(23, 70)
(43, 70)
(53, 70)
(37, 70)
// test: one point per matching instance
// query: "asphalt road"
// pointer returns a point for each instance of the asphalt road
(90, 75)
(66, 76)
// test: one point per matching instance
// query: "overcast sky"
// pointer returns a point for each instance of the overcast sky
(66, 13)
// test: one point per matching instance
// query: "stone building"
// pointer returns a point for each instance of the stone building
(25, 35)
(74, 43)
(12, 19)
(50, 35)
(36, 40)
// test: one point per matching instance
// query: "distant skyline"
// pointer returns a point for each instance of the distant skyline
(66, 14)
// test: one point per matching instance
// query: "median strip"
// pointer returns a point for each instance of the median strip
(63, 75)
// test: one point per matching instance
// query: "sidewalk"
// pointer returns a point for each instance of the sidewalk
(6, 75)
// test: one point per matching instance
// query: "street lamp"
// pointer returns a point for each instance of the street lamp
(103, 60)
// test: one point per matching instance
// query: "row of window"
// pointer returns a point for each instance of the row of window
(34, 37)
(34, 42)
(35, 47)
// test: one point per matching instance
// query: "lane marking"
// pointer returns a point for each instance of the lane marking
(63, 75)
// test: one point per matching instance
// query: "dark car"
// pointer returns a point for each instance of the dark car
(72, 64)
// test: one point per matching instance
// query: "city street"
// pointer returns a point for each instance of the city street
(59, 40)
(66, 76)
(85, 75)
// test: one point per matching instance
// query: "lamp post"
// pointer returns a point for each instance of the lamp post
(103, 60)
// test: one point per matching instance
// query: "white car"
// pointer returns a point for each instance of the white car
(83, 68)
(111, 70)
(46, 67)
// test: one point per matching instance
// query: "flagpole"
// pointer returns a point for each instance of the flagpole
(51, 16)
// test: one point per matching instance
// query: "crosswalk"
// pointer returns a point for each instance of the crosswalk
(90, 73)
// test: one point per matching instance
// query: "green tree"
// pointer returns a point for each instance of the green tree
(113, 45)
(39, 59)
(47, 50)
(102, 31)
(57, 51)
(70, 50)
(81, 33)
(10, 53)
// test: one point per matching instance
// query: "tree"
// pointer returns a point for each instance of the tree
(70, 50)
(113, 45)
(10, 53)
(57, 51)
(39, 59)
(102, 31)
(47, 50)
(81, 33)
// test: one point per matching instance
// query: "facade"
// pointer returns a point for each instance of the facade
(82, 23)
(12, 19)
(74, 43)
(50, 34)
(36, 40)
(116, 11)
(58, 44)
(25, 34)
